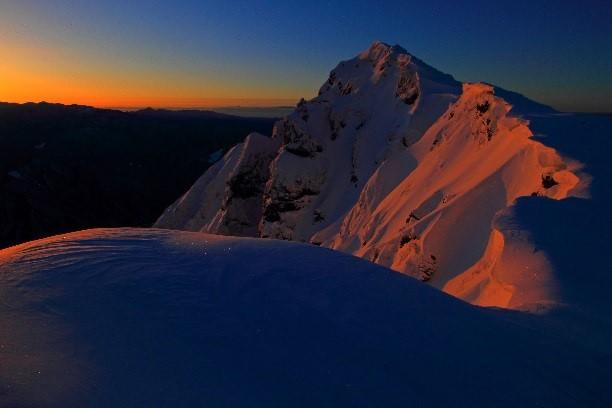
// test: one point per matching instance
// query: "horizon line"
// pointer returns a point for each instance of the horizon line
(286, 104)
(212, 107)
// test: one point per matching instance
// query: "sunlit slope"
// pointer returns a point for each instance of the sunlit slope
(438, 223)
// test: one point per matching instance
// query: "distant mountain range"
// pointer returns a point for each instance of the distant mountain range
(65, 168)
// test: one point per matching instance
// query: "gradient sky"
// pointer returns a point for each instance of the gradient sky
(216, 53)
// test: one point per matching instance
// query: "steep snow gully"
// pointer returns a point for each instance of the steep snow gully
(402, 165)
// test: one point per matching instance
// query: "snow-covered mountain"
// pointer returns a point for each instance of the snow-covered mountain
(402, 165)
(322, 155)
(145, 317)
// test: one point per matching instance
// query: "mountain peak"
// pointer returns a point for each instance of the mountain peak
(385, 163)
(380, 49)
(382, 55)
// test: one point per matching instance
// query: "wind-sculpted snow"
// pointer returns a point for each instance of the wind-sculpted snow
(437, 224)
(402, 165)
(147, 317)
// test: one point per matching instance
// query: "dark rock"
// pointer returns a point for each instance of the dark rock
(548, 181)
(483, 107)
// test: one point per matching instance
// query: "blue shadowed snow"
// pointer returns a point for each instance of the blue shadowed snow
(142, 318)
(576, 233)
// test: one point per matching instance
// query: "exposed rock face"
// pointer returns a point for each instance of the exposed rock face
(394, 162)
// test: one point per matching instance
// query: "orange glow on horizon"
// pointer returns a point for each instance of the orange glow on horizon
(36, 74)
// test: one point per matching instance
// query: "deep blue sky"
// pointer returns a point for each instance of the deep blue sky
(557, 52)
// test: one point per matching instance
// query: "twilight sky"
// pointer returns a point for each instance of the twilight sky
(202, 53)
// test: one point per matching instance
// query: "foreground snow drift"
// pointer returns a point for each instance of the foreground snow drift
(144, 318)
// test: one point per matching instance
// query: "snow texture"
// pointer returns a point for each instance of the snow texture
(146, 317)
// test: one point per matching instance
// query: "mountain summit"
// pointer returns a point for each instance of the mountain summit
(398, 163)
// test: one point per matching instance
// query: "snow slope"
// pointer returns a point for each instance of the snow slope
(402, 165)
(146, 317)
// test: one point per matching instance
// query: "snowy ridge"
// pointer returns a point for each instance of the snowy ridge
(400, 164)
(472, 163)
(146, 317)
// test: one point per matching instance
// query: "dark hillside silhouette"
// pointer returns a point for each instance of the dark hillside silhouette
(66, 168)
